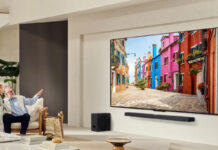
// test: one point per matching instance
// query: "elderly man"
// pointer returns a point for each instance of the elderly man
(15, 109)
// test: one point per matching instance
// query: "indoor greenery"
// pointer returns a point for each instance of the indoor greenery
(9, 70)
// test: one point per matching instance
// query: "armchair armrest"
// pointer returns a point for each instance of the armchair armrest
(42, 115)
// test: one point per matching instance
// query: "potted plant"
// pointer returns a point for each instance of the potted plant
(142, 87)
(201, 87)
(165, 86)
(190, 56)
(169, 76)
(179, 89)
(159, 87)
(197, 53)
(179, 60)
(193, 71)
(141, 84)
(10, 70)
(137, 85)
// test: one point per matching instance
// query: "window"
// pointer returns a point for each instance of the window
(123, 42)
(165, 60)
(146, 68)
(118, 78)
(192, 32)
(112, 46)
(175, 56)
(193, 49)
(199, 46)
(156, 65)
(181, 37)
(161, 79)
(118, 55)
(123, 79)
(196, 47)
(112, 55)
(123, 60)
(181, 77)
(163, 44)
(181, 56)
(112, 49)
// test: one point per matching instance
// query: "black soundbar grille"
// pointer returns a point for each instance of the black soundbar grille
(163, 117)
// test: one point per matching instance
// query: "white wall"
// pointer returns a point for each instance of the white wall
(4, 19)
(9, 46)
(89, 47)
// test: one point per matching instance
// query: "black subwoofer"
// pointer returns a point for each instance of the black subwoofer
(100, 121)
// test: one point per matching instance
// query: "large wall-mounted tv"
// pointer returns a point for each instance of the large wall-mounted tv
(167, 72)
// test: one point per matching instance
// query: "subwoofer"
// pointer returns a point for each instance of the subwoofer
(100, 121)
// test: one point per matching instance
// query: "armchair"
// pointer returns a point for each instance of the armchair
(37, 114)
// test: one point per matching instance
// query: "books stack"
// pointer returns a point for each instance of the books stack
(5, 137)
(56, 146)
(32, 139)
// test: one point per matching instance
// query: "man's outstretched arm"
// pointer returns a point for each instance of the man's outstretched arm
(40, 92)
(31, 101)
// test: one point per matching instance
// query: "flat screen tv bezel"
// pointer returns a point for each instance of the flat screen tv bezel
(157, 110)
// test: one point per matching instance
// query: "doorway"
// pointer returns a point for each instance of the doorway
(176, 81)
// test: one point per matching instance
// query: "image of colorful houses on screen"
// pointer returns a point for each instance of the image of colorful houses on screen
(175, 71)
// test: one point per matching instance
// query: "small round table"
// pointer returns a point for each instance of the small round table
(118, 143)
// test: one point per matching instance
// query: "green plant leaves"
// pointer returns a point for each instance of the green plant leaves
(10, 69)
(10, 80)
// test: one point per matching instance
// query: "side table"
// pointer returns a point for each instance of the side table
(118, 143)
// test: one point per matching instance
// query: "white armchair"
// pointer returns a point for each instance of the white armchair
(37, 113)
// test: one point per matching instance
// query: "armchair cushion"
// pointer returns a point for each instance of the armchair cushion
(34, 109)
(32, 125)
(34, 115)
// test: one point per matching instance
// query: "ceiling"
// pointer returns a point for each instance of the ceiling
(11, 7)
(4, 6)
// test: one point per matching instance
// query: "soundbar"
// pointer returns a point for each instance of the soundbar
(163, 117)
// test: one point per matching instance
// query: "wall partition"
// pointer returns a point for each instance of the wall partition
(43, 63)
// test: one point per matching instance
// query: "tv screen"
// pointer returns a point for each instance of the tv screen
(166, 72)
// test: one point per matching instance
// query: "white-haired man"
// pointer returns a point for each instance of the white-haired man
(15, 109)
